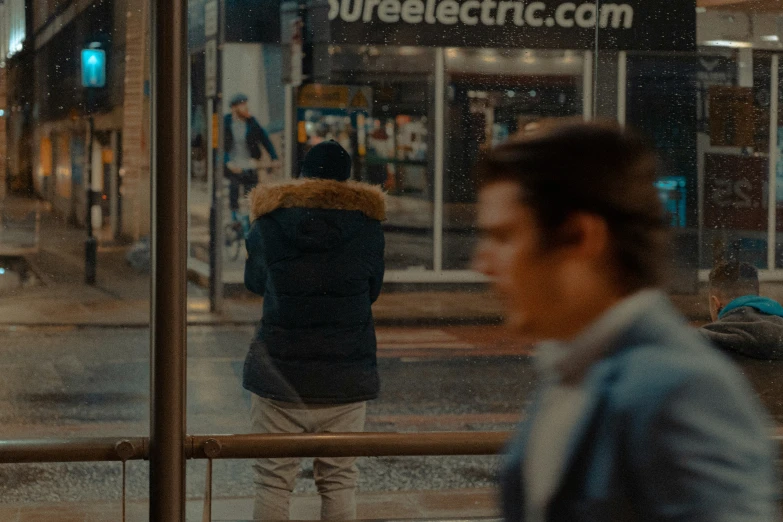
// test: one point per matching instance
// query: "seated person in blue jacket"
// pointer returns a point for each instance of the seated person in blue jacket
(636, 416)
(315, 252)
(243, 139)
(744, 323)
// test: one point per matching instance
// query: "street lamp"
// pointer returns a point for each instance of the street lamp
(93, 77)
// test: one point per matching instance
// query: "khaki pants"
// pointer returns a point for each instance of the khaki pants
(334, 477)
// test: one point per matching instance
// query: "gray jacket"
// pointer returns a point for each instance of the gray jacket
(748, 332)
(670, 432)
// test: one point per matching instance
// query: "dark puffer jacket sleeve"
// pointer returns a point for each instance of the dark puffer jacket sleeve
(375, 256)
(255, 267)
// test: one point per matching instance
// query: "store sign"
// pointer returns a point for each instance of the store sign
(318, 96)
(661, 25)
(323, 96)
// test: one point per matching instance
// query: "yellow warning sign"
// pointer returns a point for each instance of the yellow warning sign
(215, 132)
(360, 100)
(301, 132)
(46, 157)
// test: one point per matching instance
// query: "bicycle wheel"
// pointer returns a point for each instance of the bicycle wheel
(234, 239)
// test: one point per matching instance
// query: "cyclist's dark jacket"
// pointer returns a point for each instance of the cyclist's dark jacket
(315, 252)
(256, 137)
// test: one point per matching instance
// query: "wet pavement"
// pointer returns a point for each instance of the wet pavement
(69, 381)
(95, 382)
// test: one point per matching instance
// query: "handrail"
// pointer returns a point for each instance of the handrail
(259, 446)
(348, 445)
(252, 446)
(73, 450)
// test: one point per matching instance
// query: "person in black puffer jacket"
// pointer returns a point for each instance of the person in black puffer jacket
(315, 252)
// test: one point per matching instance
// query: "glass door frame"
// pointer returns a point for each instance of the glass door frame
(438, 274)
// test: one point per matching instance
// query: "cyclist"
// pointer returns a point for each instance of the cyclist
(244, 138)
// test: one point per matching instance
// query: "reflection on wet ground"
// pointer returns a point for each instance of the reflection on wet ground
(95, 382)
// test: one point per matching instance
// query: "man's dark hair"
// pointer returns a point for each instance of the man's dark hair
(732, 279)
(566, 167)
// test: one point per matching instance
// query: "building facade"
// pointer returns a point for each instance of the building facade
(65, 139)
(416, 102)
(418, 90)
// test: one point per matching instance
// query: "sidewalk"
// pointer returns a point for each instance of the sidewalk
(121, 295)
(432, 505)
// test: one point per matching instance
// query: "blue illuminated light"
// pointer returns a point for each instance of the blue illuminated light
(93, 68)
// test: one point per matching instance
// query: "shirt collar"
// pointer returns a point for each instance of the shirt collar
(569, 361)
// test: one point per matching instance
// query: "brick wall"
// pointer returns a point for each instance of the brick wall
(136, 124)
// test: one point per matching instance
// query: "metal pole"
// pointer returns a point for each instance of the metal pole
(772, 226)
(90, 244)
(289, 134)
(217, 238)
(622, 87)
(587, 86)
(169, 255)
(368, 444)
(114, 189)
(216, 233)
(439, 157)
(76, 449)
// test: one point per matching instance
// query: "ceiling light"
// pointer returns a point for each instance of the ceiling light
(728, 43)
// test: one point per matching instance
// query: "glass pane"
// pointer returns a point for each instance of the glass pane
(708, 112)
(492, 94)
(379, 102)
(736, 167)
(74, 246)
(661, 101)
(710, 122)
(389, 130)
(779, 170)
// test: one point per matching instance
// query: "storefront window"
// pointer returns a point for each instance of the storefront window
(735, 159)
(708, 113)
(377, 101)
(492, 94)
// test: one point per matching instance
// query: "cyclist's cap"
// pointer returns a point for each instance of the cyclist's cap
(327, 160)
(238, 98)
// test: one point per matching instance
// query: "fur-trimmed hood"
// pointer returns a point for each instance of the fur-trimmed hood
(320, 194)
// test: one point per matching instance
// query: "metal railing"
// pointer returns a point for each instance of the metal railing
(253, 446)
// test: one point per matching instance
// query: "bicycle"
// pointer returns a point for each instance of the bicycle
(237, 230)
(235, 233)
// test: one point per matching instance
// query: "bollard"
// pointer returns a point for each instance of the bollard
(90, 260)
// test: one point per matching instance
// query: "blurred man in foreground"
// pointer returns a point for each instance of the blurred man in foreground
(636, 417)
(743, 323)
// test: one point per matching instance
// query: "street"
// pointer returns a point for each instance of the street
(65, 381)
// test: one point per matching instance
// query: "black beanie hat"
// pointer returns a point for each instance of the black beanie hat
(327, 160)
